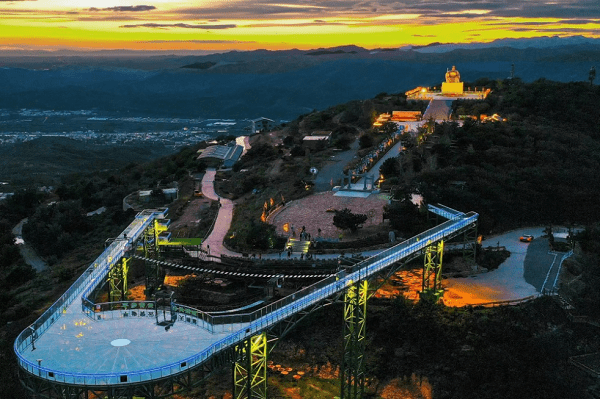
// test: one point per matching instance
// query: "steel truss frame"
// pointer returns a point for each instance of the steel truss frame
(469, 249)
(469, 240)
(250, 371)
(151, 251)
(117, 280)
(353, 361)
(432, 271)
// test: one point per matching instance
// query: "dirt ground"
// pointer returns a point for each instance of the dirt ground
(311, 212)
(189, 218)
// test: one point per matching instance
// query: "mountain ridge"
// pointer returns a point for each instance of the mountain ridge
(277, 84)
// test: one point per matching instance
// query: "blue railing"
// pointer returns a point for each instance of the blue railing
(444, 211)
(565, 256)
(89, 279)
(249, 324)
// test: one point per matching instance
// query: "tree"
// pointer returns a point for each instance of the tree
(389, 128)
(288, 141)
(390, 168)
(346, 220)
(405, 217)
(365, 141)
(260, 235)
(298, 151)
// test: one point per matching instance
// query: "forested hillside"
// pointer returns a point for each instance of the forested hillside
(539, 166)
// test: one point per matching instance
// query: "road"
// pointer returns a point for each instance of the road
(374, 171)
(333, 170)
(27, 252)
(519, 276)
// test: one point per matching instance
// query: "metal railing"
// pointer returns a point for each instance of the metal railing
(90, 278)
(359, 271)
(445, 211)
(242, 326)
(565, 256)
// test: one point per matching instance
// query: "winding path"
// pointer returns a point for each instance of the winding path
(214, 242)
(27, 252)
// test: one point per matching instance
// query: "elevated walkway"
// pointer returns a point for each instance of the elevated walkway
(81, 344)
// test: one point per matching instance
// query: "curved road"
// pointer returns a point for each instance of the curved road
(27, 252)
(509, 281)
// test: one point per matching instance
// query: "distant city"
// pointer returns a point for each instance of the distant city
(108, 129)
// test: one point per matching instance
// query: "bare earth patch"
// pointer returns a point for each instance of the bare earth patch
(190, 215)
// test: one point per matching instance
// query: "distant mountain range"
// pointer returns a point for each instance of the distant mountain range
(534, 42)
(275, 84)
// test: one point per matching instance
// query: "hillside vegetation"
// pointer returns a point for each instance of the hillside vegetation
(538, 167)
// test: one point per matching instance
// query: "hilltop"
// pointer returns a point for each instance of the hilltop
(538, 166)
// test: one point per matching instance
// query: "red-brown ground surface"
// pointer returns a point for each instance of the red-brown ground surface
(312, 213)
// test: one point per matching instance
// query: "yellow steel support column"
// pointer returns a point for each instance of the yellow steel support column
(125, 271)
(117, 281)
(432, 272)
(470, 242)
(353, 361)
(250, 372)
(151, 251)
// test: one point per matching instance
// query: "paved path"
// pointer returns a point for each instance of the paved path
(503, 284)
(374, 170)
(333, 171)
(439, 110)
(215, 240)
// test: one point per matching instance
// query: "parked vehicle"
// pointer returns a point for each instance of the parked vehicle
(526, 238)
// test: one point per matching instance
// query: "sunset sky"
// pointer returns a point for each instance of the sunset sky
(283, 24)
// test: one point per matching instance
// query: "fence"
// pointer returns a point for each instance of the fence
(90, 278)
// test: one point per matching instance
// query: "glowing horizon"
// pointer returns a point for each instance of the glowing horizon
(242, 25)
